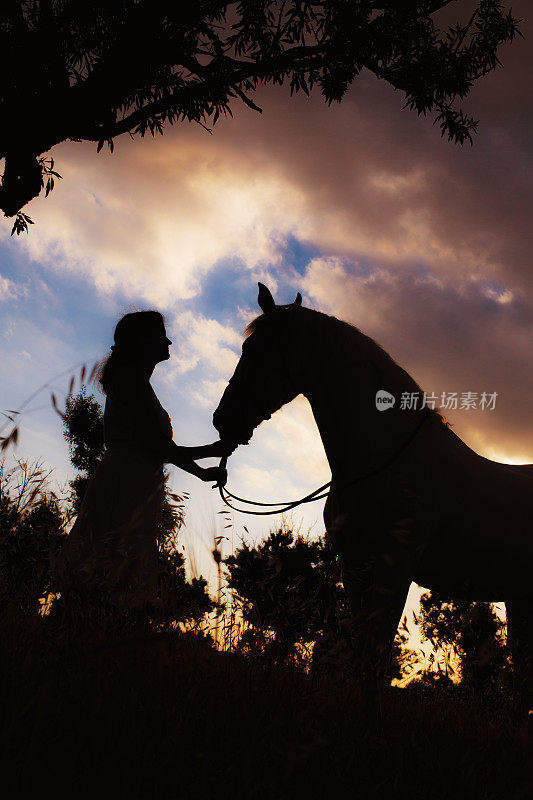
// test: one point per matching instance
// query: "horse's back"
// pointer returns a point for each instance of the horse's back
(473, 517)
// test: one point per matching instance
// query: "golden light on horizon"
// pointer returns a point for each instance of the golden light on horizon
(505, 458)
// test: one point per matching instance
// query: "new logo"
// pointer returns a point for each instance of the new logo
(384, 400)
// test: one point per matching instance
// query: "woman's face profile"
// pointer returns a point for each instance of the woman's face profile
(157, 345)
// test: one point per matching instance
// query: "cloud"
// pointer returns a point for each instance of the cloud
(204, 354)
(9, 290)
(362, 180)
(451, 335)
(284, 461)
(203, 341)
(292, 436)
(422, 244)
(207, 393)
(154, 219)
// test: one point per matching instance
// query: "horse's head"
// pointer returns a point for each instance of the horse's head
(263, 380)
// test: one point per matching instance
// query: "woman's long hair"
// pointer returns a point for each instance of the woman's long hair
(129, 334)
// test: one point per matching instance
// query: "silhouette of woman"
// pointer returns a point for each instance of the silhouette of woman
(111, 553)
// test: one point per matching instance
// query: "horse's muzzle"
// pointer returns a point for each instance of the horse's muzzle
(231, 431)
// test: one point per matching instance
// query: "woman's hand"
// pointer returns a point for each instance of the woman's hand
(217, 474)
(220, 449)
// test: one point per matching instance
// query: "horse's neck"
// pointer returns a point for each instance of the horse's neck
(341, 380)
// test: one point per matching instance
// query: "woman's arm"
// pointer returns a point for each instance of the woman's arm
(215, 450)
(137, 395)
(171, 453)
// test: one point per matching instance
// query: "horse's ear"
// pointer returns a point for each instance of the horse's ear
(298, 301)
(265, 299)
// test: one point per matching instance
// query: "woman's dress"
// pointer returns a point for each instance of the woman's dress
(111, 552)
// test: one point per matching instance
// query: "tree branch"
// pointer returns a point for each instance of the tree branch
(175, 102)
(23, 180)
(246, 100)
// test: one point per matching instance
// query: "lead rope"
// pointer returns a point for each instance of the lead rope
(318, 494)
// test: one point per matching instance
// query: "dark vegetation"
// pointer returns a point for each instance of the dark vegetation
(77, 71)
(256, 695)
(166, 715)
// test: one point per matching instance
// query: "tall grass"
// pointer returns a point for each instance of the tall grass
(105, 706)
(134, 713)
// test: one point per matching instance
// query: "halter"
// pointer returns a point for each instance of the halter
(319, 493)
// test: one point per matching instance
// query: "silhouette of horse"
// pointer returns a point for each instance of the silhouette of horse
(427, 509)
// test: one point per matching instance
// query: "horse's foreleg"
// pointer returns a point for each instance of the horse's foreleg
(520, 638)
(377, 572)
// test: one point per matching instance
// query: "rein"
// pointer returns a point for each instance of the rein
(319, 493)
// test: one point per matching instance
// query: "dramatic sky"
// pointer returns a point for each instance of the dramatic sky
(362, 207)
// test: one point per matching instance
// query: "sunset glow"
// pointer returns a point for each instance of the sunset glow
(362, 207)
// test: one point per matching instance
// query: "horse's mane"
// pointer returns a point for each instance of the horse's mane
(375, 352)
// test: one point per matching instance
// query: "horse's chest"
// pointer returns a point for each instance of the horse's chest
(372, 505)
